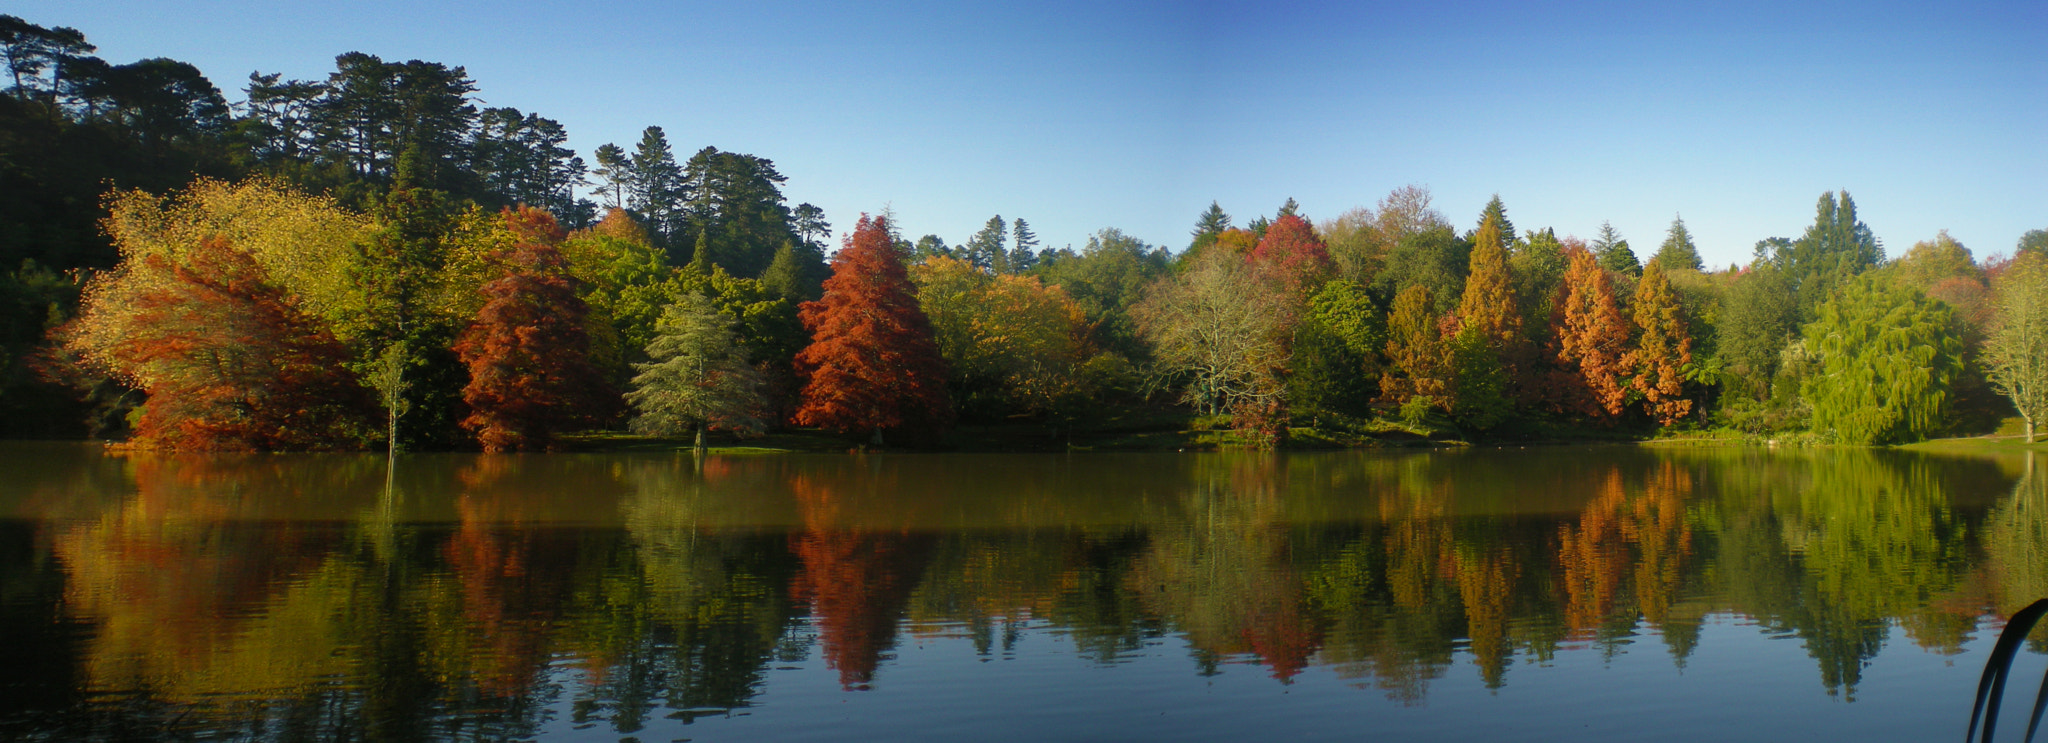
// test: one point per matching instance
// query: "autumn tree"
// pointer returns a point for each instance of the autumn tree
(1886, 361)
(1011, 344)
(1293, 255)
(872, 363)
(1220, 332)
(229, 361)
(528, 349)
(2017, 350)
(697, 376)
(1415, 352)
(1663, 348)
(1593, 335)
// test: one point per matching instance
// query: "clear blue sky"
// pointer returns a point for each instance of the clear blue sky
(1136, 115)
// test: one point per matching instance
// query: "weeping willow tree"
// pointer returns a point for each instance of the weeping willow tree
(1887, 357)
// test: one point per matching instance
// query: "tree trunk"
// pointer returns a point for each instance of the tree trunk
(877, 440)
(700, 437)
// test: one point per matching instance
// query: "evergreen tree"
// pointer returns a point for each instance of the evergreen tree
(985, 248)
(657, 191)
(1835, 248)
(1024, 248)
(1758, 318)
(1887, 357)
(1538, 267)
(697, 377)
(1496, 214)
(1678, 251)
(1288, 209)
(872, 363)
(1213, 222)
(1614, 253)
(736, 201)
(614, 173)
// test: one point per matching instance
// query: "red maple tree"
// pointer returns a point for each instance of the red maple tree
(530, 374)
(872, 363)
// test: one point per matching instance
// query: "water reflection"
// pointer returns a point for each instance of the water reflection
(463, 596)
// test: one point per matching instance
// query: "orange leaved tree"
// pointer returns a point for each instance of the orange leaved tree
(530, 374)
(229, 361)
(872, 363)
(1594, 336)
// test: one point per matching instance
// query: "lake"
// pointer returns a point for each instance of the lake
(1608, 593)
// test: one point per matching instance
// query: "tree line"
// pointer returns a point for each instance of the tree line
(374, 258)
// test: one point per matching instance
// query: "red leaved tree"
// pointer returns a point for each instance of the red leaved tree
(530, 374)
(1294, 255)
(872, 363)
(229, 362)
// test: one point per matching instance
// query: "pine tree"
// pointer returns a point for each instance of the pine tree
(1213, 222)
(985, 248)
(1663, 348)
(1678, 252)
(1835, 248)
(1496, 214)
(872, 363)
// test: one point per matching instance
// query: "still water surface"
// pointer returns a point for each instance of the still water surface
(1543, 594)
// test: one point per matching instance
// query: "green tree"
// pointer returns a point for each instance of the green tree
(1212, 223)
(985, 248)
(1107, 278)
(1496, 214)
(656, 190)
(2017, 349)
(1335, 351)
(1435, 258)
(1835, 248)
(1023, 248)
(2034, 241)
(1538, 267)
(1887, 356)
(1930, 262)
(1614, 253)
(1757, 320)
(697, 376)
(1678, 251)
(1415, 352)
(734, 204)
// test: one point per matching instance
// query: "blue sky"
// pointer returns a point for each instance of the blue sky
(1079, 116)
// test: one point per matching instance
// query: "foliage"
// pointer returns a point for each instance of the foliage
(1415, 352)
(1887, 359)
(530, 375)
(1293, 255)
(1663, 349)
(1678, 251)
(1219, 330)
(1930, 262)
(697, 376)
(872, 363)
(1835, 248)
(1011, 344)
(1614, 253)
(229, 362)
(1759, 317)
(1593, 337)
(1433, 258)
(2017, 350)
(1107, 278)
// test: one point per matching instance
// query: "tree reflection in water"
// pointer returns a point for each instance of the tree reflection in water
(309, 597)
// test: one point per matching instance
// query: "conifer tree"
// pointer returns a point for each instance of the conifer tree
(1678, 251)
(872, 363)
(698, 376)
(1887, 357)
(1415, 351)
(528, 351)
(1023, 248)
(1663, 348)
(1593, 337)
(1488, 303)
(1496, 214)
(1213, 222)
(1614, 253)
